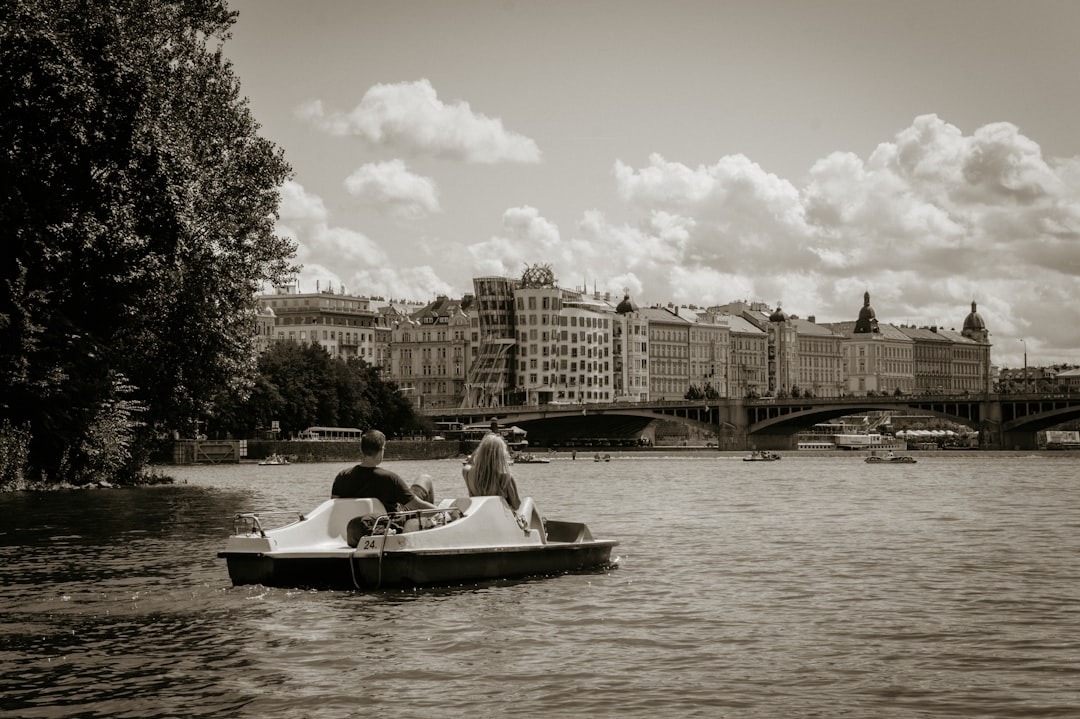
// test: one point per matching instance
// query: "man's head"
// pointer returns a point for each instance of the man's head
(372, 443)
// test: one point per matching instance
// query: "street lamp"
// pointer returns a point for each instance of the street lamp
(1026, 388)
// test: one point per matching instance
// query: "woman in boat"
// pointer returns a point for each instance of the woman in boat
(489, 473)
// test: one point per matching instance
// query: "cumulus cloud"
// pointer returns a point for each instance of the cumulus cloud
(527, 238)
(390, 188)
(410, 117)
(333, 256)
(930, 221)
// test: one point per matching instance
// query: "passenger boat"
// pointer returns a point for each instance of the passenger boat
(274, 459)
(869, 440)
(762, 456)
(356, 544)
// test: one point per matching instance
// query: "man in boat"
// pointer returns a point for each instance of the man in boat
(368, 479)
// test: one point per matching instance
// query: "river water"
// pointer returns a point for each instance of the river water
(817, 586)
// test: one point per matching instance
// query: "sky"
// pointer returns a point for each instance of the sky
(797, 153)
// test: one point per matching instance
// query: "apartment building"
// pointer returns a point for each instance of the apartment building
(429, 353)
(342, 324)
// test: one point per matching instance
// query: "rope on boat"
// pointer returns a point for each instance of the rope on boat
(382, 549)
(353, 561)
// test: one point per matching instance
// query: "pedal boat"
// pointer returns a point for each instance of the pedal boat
(465, 540)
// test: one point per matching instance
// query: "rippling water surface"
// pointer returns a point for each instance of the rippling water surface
(811, 587)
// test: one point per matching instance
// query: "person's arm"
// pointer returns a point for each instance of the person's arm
(510, 491)
(406, 498)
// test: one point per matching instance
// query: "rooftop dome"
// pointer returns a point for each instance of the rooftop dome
(974, 321)
(867, 321)
(626, 305)
(778, 315)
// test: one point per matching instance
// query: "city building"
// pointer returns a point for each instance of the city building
(265, 322)
(429, 353)
(585, 343)
(342, 324)
(669, 352)
(492, 377)
(710, 353)
(931, 355)
(629, 352)
(527, 341)
(878, 357)
(820, 359)
(748, 374)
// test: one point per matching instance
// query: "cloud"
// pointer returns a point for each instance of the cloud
(410, 117)
(527, 239)
(338, 257)
(736, 208)
(931, 220)
(391, 189)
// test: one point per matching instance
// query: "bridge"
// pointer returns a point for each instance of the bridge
(1004, 421)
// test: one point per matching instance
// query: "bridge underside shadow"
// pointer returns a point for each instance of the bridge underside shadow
(771, 429)
(584, 430)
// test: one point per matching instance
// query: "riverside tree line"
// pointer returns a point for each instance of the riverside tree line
(138, 212)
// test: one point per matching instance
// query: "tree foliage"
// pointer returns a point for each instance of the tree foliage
(138, 211)
(300, 385)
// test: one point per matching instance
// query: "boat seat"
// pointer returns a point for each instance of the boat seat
(345, 510)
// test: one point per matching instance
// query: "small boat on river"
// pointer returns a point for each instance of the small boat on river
(762, 456)
(890, 458)
(530, 458)
(356, 544)
(274, 460)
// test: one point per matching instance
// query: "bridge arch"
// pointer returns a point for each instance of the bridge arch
(806, 417)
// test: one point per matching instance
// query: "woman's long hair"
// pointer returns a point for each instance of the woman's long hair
(490, 461)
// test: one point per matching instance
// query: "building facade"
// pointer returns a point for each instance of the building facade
(528, 341)
(430, 354)
(492, 377)
(342, 324)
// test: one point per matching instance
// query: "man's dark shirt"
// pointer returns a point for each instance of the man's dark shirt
(376, 482)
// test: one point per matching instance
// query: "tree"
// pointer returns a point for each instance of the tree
(300, 385)
(139, 204)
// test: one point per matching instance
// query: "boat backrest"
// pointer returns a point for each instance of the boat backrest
(345, 510)
(531, 517)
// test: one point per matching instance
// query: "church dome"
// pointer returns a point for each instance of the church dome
(867, 321)
(778, 315)
(626, 306)
(974, 321)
